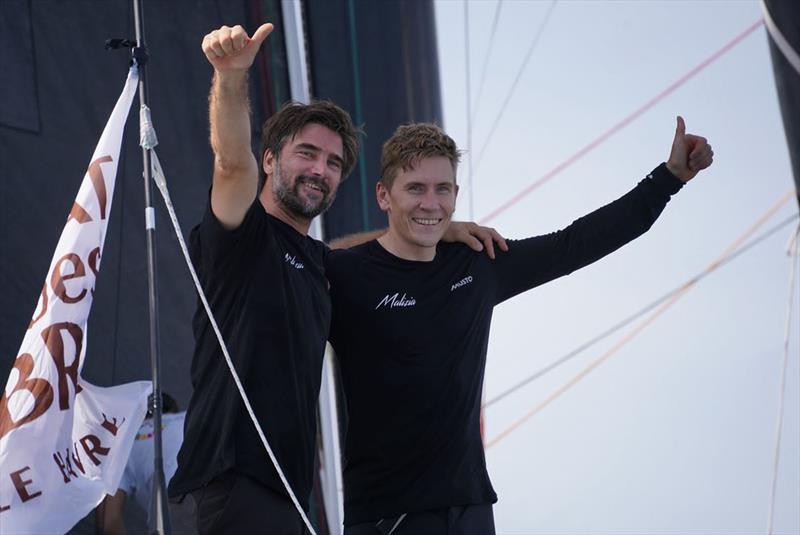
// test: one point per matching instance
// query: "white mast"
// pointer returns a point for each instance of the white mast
(330, 456)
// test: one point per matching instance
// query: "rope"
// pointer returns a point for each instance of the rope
(496, 18)
(697, 278)
(639, 328)
(791, 55)
(520, 72)
(362, 163)
(793, 254)
(467, 87)
(622, 124)
(158, 177)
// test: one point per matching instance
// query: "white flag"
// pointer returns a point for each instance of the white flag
(63, 441)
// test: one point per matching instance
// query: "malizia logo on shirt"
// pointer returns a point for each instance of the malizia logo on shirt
(292, 261)
(392, 301)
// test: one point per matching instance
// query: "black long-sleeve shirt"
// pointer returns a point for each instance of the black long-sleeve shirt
(411, 338)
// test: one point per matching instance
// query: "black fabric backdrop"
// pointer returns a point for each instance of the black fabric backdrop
(57, 88)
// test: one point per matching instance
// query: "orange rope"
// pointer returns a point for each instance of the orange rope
(639, 328)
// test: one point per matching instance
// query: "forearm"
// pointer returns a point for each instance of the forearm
(537, 260)
(229, 118)
(108, 515)
(351, 240)
(608, 228)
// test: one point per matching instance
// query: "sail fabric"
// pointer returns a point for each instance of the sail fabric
(782, 20)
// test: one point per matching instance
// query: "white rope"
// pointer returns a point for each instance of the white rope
(793, 253)
(510, 93)
(397, 523)
(468, 86)
(158, 177)
(780, 41)
(495, 19)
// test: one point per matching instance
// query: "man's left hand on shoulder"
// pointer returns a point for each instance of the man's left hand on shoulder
(690, 154)
(475, 236)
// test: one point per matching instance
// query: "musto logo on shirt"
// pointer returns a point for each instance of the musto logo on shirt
(292, 261)
(395, 300)
(463, 282)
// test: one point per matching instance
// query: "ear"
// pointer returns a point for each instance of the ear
(382, 194)
(456, 193)
(268, 163)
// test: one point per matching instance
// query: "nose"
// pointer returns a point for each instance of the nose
(318, 167)
(429, 201)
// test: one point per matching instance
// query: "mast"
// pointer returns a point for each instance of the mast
(331, 465)
(159, 511)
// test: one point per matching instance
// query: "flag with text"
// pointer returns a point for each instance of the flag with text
(64, 442)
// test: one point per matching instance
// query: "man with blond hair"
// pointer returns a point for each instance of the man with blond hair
(411, 327)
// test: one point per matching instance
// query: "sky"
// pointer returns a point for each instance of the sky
(675, 432)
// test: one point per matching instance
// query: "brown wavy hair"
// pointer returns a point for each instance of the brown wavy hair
(294, 116)
(412, 142)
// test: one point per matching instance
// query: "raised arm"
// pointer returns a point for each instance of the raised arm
(235, 182)
(534, 261)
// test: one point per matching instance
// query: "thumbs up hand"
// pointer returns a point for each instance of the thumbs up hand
(690, 154)
(231, 49)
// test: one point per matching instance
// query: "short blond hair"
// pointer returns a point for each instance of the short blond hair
(412, 142)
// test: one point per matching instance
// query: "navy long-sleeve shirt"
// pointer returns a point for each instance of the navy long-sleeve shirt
(411, 338)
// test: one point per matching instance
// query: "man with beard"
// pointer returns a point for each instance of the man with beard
(265, 282)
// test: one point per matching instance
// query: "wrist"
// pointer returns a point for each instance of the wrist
(230, 77)
(677, 172)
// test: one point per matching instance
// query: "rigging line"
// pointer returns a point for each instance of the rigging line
(161, 182)
(786, 48)
(794, 266)
(639, 328)
(467, 86)
(520, 72)
(622, 124)
(362, 163)
(497, 7)
(636, 315)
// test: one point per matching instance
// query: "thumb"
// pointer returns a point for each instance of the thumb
(680, 129)
(261, 33)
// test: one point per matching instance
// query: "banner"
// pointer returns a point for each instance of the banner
(64, 442)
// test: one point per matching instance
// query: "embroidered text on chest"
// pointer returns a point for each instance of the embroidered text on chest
(463, 282)
(396, 300)
(292, 261)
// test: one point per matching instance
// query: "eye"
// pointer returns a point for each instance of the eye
(305, 153)
(415, 188)
(335, 164)
(445, 188)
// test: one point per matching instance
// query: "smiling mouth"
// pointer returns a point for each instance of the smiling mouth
(426, 221)
(314, 185)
